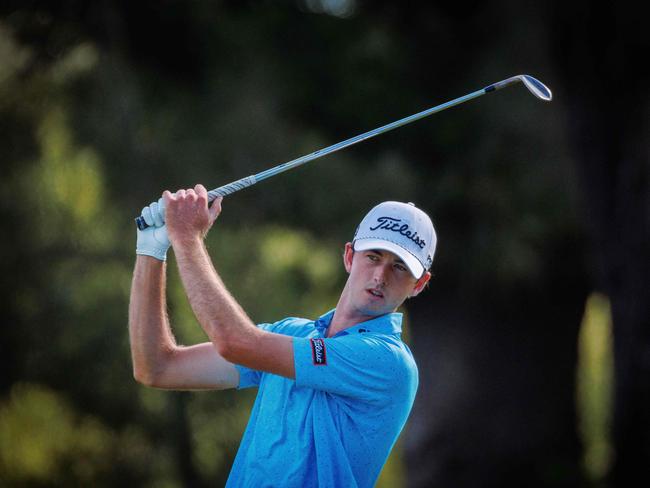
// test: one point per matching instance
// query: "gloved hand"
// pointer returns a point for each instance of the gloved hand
(153, 241)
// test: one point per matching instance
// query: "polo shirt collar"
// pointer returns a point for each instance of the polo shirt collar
(390, 323)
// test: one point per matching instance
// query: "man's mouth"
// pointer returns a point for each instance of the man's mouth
(375, 293)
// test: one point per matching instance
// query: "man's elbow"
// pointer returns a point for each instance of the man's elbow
(144, 377)
(226, 350)
(238, 348)
(233, 348)
(149, 373)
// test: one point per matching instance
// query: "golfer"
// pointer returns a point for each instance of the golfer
(333, 393)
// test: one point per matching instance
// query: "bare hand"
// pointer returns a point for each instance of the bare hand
(187, 214)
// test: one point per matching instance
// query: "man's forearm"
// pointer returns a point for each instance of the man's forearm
(149, 330)
(221, 317)
(231, 332)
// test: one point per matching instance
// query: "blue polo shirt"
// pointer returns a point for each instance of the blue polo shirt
(335, 424)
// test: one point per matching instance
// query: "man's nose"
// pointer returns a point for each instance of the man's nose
(380, 275)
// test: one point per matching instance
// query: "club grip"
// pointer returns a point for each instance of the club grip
(222, 191)
(139, 221)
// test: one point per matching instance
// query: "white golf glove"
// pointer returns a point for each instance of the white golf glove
(153, 241)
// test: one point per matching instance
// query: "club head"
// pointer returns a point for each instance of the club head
(536, 87)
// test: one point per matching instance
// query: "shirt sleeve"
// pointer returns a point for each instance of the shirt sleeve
(361, 366)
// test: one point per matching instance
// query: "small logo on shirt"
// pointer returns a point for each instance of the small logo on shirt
(318, 353)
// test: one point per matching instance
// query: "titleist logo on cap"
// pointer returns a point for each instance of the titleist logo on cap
(395, 225)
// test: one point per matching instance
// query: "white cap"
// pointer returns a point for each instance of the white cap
(402, 229)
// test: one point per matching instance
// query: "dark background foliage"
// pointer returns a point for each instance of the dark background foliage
(532, 340)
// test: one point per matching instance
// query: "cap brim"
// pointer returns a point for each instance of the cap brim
(411, 262)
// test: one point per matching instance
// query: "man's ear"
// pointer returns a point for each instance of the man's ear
(348, 254)
(421, 284)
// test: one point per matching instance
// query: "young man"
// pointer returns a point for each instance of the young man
(334, 393)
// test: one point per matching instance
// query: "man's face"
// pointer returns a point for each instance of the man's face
(379, 281)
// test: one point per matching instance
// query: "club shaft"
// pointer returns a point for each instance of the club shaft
(281, 168)
(538, 88)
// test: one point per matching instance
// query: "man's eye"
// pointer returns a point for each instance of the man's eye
(372, 257)
(400, 267)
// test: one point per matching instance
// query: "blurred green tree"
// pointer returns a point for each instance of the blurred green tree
(103, 105)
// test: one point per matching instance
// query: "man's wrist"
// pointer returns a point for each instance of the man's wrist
(158, 254)
(147, 258)
(188, 245)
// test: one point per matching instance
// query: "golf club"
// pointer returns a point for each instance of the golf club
(535, 86)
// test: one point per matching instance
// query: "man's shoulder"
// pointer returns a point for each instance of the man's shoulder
(389, 342)
(389, 351)
(292, 326)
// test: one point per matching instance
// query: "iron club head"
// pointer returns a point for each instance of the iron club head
(536, 87)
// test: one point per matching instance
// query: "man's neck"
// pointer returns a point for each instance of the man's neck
(341, 321)
(345, 316)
